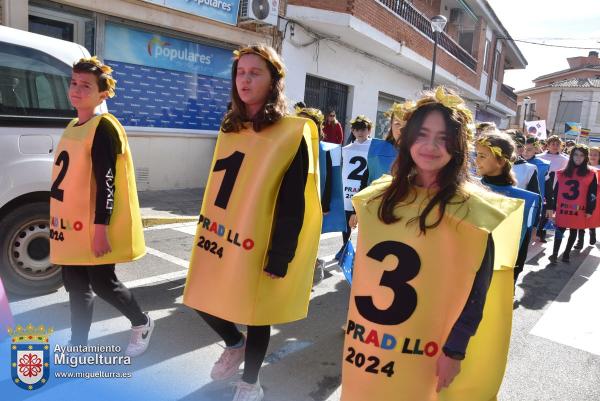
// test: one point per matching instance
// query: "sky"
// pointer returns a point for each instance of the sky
(554, 22)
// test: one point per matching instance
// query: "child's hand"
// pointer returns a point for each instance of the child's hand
(446, 370)
(100, 244)
(353, 221)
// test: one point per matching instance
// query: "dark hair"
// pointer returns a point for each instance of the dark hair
(583, 168)
(531, 141)
(274, 108)
(451, 178)
(103, 79)
(553, 138)
(318, 123)
(507, 146)
(335, 120)
(390, 135)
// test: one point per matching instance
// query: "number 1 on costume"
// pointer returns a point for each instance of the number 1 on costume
(231, 165)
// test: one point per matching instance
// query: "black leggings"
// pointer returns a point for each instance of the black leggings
(581, 236)
(81, 282)
(522, 255)
(558, 237)
(257, 343)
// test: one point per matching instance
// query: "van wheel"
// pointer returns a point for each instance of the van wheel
(25, 265)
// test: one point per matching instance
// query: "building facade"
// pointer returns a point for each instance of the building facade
(172, 61)
(570, 95)
(358, 57)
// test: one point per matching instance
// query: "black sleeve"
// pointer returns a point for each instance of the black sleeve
(365, 179)
(532, 185)
(326, 196)
(551, 205)
(590, 204)
(289, 214)
(105, 147)
(469, 319)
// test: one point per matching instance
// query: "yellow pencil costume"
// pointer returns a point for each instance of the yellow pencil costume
(406, 295)
(72, 198)
(236, 223)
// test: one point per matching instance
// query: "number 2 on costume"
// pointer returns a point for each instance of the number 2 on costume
(573, 190)
(55, 191)
(405, 296)
(231, 165)
(359, 172)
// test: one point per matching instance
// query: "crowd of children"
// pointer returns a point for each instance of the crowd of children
(277, 181)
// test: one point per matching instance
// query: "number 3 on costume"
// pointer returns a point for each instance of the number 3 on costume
(231, 165)
(56, 192)
(405, 296)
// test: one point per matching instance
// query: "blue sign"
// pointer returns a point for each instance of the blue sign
(166, 82)
(225, 11)
(152, 50)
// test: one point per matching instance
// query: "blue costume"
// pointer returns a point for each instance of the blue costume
(380, 159)
(330, 155)
(543, 166)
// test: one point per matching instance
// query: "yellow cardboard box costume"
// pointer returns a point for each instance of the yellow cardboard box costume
(407, 296)
(72, 205)
(226, 277)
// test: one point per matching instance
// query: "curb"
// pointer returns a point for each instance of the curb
(156, 221)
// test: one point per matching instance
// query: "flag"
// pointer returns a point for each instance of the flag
(536, 128)
(585, 132)
(573, 128)
(347, 261)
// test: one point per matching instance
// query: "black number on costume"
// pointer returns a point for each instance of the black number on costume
(573, 190)
(359, 172)
(350, 357)
(388, 369)
(372, 368)
(231, 165)
(405, 296)
(56, 192)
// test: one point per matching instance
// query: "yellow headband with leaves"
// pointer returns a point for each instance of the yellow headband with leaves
(106, 71)
(315, 114)
(361, 118)
(448, 100)
(265, 55)
(399, 109)
(496, 150)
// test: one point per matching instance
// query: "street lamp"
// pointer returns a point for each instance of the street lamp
(526, 101)
(437, 24)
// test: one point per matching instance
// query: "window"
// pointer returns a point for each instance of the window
(497, 58)
(326, 95)
(166, 82)
(486, 55)
(33, 83)
(465, 40)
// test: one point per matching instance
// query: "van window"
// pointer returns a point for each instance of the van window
(32, 83)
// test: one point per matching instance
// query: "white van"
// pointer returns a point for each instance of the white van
(35, 71)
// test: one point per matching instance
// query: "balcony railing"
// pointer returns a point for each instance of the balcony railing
(410, 14)
(509, 92)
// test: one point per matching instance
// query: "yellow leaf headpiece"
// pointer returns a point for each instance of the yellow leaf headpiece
(106, 72)
(259, 51)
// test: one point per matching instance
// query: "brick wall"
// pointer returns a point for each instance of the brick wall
(377, 15)
(505, 100)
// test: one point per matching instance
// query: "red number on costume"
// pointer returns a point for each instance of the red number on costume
(56, 192)
(405, 296)
(231, 165)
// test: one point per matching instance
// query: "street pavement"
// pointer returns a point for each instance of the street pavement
(554, 354)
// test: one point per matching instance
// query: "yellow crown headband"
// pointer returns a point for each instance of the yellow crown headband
(106, 71)
(315, 114)
(361, 119)
(399, 109)
(265, 55)
(448, 100)
(496, 150)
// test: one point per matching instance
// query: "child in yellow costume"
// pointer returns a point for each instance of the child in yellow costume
(95, 219)
(258, 232)
(424, 262)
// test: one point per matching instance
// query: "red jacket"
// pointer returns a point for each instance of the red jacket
(333, 133)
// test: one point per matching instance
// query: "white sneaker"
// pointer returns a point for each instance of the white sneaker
(229, 362)
(248, 392)
(140, 338)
